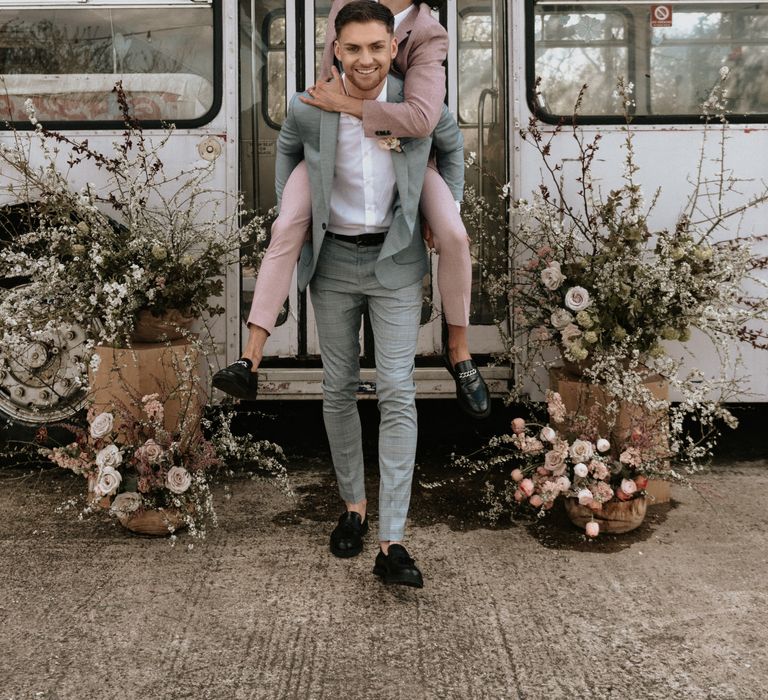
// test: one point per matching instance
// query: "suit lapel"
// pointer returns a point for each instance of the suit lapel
(329, 134)
(398, 238)
(399, 159)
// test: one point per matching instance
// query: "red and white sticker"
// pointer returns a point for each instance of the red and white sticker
(661, 15)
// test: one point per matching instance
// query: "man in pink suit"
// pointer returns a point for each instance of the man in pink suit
(422, 49)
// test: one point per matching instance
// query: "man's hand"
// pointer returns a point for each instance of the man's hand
(331, 97)
(426, 234)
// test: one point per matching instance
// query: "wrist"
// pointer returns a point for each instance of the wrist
(353, 106)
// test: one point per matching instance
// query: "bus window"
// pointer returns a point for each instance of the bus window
(672, 60)
(481, 105)
(573, 48)
(475, 60)
(274, 82)
(68, 60)
(687, 57)
(321, 23)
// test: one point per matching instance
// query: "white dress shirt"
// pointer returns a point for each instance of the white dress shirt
(364, 186)
(400, 16)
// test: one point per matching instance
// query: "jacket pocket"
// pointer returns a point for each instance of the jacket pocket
(412, 254)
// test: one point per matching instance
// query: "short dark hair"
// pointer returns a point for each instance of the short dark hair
(364, 11)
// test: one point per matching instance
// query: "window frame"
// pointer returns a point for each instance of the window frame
(469, 11)
(116, 124)
(269, 18)
(586, 119)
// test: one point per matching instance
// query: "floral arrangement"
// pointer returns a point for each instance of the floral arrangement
(134, 463)
(591, 278)
(566, 458)
(140, 239)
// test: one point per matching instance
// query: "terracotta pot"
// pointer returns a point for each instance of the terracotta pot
(153, 522)
(616, 516)
(171, 325)
(576, 370)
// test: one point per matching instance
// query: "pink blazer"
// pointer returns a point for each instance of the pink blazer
(422, 49)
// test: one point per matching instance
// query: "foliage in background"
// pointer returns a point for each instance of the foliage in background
(140, 239)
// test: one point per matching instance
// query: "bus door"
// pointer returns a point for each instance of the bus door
(281, 47)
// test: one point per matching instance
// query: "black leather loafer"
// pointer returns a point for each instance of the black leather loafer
(347, 536)
(237, 380)
(398, 567)
(471, 390)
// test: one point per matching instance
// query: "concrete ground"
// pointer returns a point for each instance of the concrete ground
(678, 609)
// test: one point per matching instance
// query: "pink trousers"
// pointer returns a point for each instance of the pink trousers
(454, 277)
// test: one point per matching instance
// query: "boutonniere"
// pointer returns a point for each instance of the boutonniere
(390, 144)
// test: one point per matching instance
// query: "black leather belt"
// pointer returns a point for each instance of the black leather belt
(362, 239)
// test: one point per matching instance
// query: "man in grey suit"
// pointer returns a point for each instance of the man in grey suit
(366, 251)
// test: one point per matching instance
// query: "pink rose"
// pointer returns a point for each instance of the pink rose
(536, 501)
(584, 496)
(570, 333)
(519, 496)
(517, 475)
(178, 479)
(581, 451)
(548, 434)
(563, 483)
(551, 276)
(150, 452)
(641, 481)
(518, 426)
(577, 299)
(603, 445)
(628, 486)
(526, 486)
(554, 460)
(592, 529)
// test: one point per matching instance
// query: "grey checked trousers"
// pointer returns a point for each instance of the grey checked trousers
(343, 285)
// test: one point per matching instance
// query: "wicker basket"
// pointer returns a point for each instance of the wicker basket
(615, 517)
(153, 522)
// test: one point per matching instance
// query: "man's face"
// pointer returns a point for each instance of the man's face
(366, 51)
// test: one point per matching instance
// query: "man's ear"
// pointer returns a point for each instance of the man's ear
(394, 47)
(336, 49)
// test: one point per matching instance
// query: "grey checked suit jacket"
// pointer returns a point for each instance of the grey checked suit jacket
(310, 134)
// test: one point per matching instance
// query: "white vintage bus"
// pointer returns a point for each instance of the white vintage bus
(222, 71)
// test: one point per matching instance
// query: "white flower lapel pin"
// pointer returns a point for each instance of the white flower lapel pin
(390, 144)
